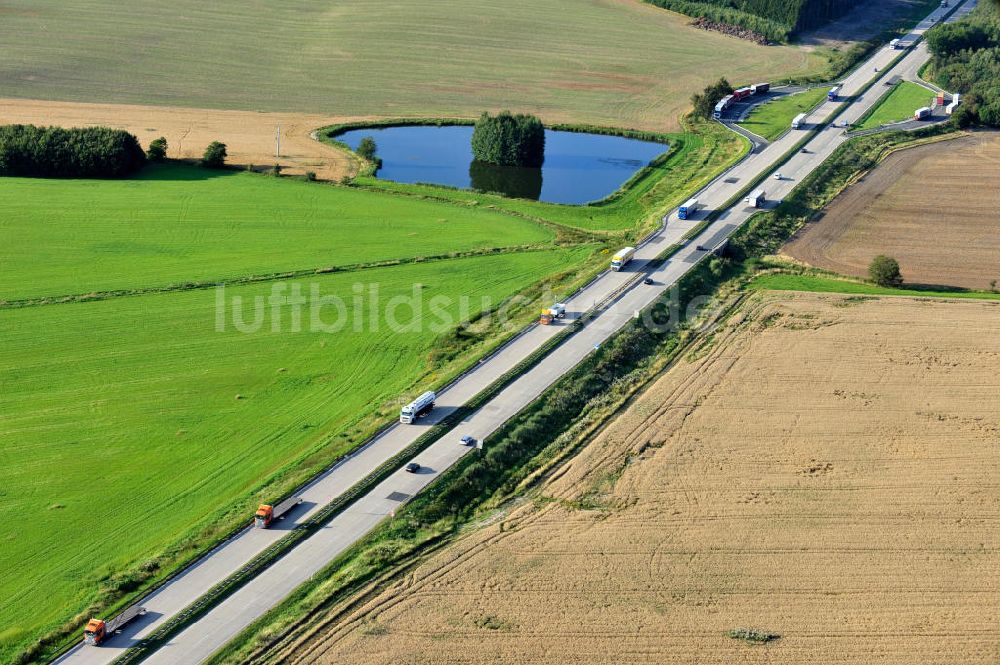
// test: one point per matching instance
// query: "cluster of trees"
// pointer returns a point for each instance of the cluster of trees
(509, 140)
(55, 152)
(774, 19)
(967, 60)
(83, 152)
(704, 102)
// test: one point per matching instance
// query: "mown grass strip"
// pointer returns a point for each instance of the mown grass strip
(898, 105)
(792, 281)
(269, 277)
(773, 118)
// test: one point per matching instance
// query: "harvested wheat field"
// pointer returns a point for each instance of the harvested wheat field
(249, 136)
(826, 470)
(933, 208)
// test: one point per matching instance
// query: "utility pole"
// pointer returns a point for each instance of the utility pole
(277, 142)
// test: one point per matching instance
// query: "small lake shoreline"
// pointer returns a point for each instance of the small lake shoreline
(584, 165)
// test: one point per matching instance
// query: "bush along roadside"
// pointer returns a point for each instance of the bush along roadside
(549, 429)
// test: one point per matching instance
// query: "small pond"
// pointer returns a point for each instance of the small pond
(578, 168)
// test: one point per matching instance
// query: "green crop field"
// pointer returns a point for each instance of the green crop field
(176, 224)
(132, 422)
(898, 105)
(614, 63)
(773, 118)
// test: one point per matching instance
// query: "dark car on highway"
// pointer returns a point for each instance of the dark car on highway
(412, 467)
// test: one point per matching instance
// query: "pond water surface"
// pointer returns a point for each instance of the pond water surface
(578, 167)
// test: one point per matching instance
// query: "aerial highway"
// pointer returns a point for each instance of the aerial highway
(619, 296)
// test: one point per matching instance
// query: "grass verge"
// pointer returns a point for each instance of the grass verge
(796, 281)
(898, 105)
(772, 119)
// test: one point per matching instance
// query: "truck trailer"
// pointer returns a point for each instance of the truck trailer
(417, 408)
(799, 121)
(619, 260)
(268, 513)
(690, 207)
(955, 101)
(721, 107)
(760, 88)
(741, 94)
(757, 199)
(98, 630)
(550, 314)
(922, 113)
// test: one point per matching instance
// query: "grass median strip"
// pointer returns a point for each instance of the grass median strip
(905, 98)
(773, 118)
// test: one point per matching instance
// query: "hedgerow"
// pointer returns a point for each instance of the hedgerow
(81, 152)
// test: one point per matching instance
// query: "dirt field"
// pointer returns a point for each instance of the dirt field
(250, 136)
(865, 21)
(934, 208)
(826, 470)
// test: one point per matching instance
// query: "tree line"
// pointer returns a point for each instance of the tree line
(773, 19)
(966, 59)
(81, 152)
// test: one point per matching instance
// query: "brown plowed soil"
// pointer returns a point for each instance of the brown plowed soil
(933, 208)
(249, 136)
(824, 469)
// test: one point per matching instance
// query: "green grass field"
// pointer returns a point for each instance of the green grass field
(773, 118)
(898, 105)
(790, 282)
(122, 431)
(176, 224)
(615, 63)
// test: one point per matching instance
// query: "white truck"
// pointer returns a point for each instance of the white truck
(955, 101)
(922, 113)
(799, 121)
(550, 314)
(619, 260)
(417, 408)
(690, 207)
(757, 199)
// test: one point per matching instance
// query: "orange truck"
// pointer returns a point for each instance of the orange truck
(98, 630)
(268, 513)
(550, 314)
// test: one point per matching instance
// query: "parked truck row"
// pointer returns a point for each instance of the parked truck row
(739, 95)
